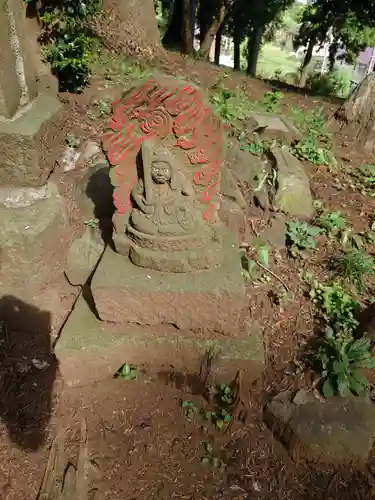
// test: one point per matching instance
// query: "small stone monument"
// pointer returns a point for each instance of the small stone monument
(166, 149)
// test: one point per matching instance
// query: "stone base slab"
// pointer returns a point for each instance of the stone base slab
(28, 143)
(90, 350)
(204, 300)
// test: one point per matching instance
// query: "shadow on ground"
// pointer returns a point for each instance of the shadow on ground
(28, 371)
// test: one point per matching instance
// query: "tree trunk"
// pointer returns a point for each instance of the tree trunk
(129, 28)
(356, 117)
(205, 47)
(304, 71)
(187, 35)
(218, 40)
(237, 50)
(173, 37)
(253, 47)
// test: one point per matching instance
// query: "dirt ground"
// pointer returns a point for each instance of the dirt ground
(141, 444)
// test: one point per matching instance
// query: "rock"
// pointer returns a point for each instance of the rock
(338, 430)
(273, 126)
(230, 189)
(293, 195)
(33, 240)
(234, 217)
(245, 167)
(17, 197)
(69, 158)
(93, 193)
(276, 231)
(83, 256)
(89, 151)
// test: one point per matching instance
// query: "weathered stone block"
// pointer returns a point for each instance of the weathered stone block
(33, 243)
(83, 256)
(339, 430)
(25, 158)
(207, 300)
(293, 195)
(90, 350)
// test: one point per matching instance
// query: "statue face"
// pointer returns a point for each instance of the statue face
(161, 172)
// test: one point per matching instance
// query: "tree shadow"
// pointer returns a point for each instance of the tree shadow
(28, 369)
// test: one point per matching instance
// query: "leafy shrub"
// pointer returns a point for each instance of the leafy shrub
(337, 307)
(334, 83)
(332, 222)
(354, 266)
(68, 40)
(342, 361)
(301, 235)
(311, 122)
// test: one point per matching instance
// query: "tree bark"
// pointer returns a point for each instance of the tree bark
(237, 50)
(253, 48)
(356, 117)
(304, 71)
(218, 40)
(187, 35)
(205, 47)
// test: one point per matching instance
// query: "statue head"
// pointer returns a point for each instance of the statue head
(161, 166)
(160, 172)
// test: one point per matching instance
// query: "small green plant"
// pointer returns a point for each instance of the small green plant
(127, 372)
(94, 223)
(220, 418)
(301, 236)
(332, 222)
(310, 122)
(230, 105)
(261, 258)
(354, 266)
(337, 307)
(255, 148)
(226, 394)
(210, 460)
(189, 409)
(72, 141)
(271, 101)
(342, 361)
(309, 149)
(367, 174)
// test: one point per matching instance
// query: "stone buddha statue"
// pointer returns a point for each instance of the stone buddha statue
(163, 200)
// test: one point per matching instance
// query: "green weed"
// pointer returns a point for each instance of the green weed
(342, 361)
(226, 394)
(72, 141)
(271, 101)
(332, 222)
(309, 149)
(189, 409)
(93, 223)
(354, 266)
(311, 122)
(127, 372)
(301, 236)
(220, 418)
(337, 307)
(230, 105)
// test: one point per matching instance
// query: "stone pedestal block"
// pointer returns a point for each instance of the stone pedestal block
(27, 158)
(212, 299)
(90, 350)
